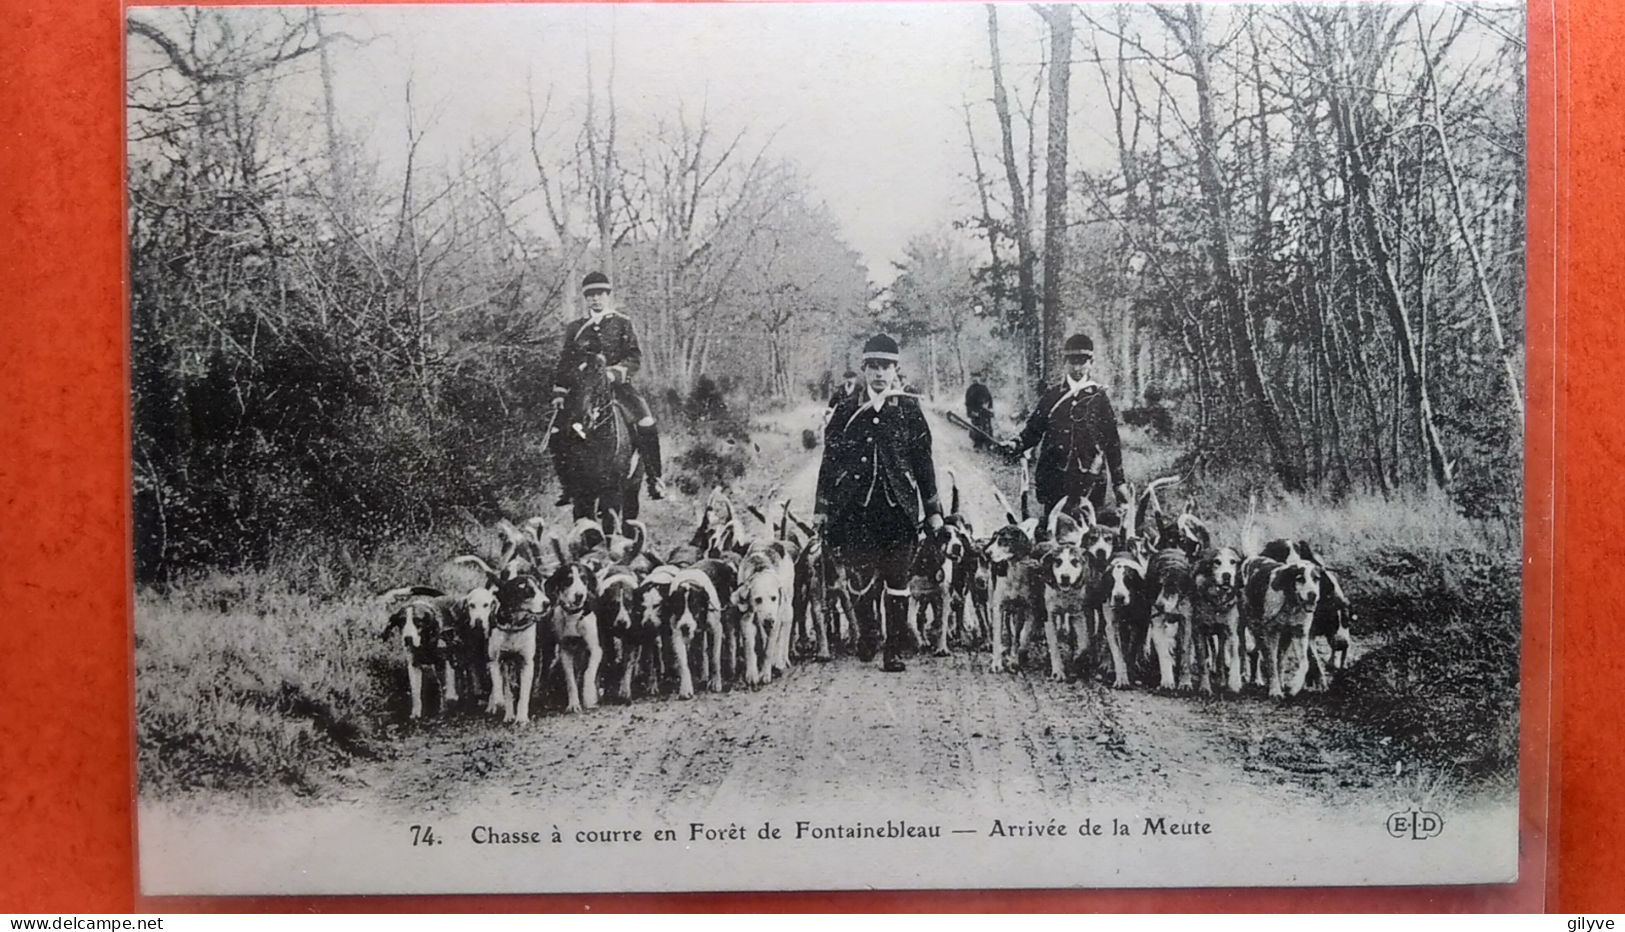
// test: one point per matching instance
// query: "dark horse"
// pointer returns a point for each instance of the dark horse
(595, 449)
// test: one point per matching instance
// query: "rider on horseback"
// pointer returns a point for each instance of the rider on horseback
(606, 333)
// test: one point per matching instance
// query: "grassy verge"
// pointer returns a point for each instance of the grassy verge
(243, 682)
(1437, 597)
(1436, 673)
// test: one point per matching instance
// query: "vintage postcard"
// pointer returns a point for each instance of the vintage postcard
(826, 446)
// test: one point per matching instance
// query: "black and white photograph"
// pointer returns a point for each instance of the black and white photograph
(826, 446)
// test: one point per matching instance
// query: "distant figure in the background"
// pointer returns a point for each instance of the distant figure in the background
(1153, 415)
(849, 387)
(706, 402)
(979, 409)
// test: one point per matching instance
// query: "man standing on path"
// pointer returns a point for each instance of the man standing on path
(877, 480)
(847, 389)
(606, 333)
(1078, 428)
(979, 410)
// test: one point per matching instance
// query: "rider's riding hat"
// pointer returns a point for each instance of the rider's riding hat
(594, 283)
(1079, 345)
(880, 347)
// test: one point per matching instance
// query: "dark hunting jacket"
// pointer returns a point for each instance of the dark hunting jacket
(977, 397)
(611, 336)
(1079, 432)
(841, 393)
(877, 476)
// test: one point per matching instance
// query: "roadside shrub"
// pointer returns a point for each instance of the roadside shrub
(1444, 684)
(710, 462)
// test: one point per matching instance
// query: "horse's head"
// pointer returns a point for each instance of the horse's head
(591, 393)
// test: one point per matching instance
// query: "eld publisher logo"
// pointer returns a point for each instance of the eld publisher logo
(1416, 825)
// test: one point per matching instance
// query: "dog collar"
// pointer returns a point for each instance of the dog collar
(521, 622)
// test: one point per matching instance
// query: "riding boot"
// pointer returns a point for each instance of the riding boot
(649, 451)
(894, 611)
(869, 625)
(558, 470)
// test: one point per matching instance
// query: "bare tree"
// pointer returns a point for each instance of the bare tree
(1020, 219)
(1059, 19)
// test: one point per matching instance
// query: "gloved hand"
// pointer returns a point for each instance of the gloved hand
(558, 402)
(1122, 493)
(933, 522)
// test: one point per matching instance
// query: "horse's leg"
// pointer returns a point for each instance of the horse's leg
(610, 501)
(632, 498)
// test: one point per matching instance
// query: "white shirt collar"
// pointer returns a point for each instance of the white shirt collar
(1074, 387)
(593, 319)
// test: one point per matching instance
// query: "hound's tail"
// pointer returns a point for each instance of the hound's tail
(803, 526)
(1026, 484)
(468, 559)
(1009, 516)
(1148, 503)
(401, 591)
(1251, 543)
(953, 493)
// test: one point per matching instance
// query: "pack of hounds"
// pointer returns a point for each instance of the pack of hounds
(1146, 600)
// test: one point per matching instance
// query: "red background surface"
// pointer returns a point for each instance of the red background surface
(66, 829)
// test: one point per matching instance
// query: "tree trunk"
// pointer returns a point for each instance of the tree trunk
(335, 166)
(1405, 343)
(1020, 219)
(988, 225)
(1059, 17)
(1480, 279)
(1216, 209)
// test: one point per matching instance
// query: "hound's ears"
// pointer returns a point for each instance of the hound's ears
(1304, 551)
(1285, 577)
(740, 598)
(1329, 583)
(509, 533)
(397, 620)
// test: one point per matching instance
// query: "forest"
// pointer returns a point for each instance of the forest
(1297, 230)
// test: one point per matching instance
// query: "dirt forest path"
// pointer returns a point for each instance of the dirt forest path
(946, 732)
